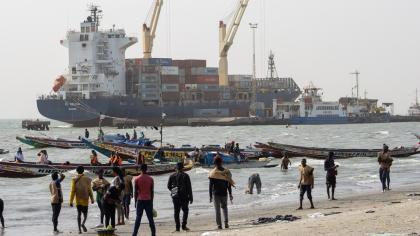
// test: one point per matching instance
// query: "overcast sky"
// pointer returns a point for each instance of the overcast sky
(319, 41)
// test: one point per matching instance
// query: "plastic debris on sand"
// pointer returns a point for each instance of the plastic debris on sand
(281, 218)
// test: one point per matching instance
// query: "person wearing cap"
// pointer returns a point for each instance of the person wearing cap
(385, 162)
(179, 184)
(331, 168)
(81, 190)
(220, 185)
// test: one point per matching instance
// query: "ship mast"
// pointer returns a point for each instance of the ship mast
(417, 100)
(272, 71)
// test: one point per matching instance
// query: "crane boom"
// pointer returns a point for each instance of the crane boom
(149, 31)
(226, 40)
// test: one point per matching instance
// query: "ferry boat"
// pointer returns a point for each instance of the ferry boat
(311, 109)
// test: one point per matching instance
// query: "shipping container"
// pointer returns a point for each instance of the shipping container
(157, 61)
(204, 71)
(170, 88)
(169, 70)
(149, 69)
(150, 96)
(208, 87)
(207, 79)
(149, 86)
(150, 78)
(170, 79)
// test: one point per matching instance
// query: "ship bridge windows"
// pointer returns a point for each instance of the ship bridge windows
(327, 108)
(84, 37)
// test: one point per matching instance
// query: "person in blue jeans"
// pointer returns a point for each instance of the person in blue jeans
(143, 194)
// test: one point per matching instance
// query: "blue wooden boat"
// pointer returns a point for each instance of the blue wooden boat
(233, 163)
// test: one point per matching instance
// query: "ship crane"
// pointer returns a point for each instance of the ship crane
(226, 40)
(149, 31)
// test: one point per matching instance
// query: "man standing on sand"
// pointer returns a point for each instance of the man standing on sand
(143, 195)
(82, 190)
(56, 198)
(385, 161)
(179, 184)
(306, 182)
(331, 168)
(220, 185)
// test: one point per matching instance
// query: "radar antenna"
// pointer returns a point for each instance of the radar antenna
(95, 14)
(272, 71)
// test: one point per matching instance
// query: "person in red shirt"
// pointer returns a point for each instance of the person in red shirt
(143, 195)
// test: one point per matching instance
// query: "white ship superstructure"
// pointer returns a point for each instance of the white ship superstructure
(96, 60)
(415, 108)
(309, 105)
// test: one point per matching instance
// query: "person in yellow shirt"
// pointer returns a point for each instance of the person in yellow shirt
(81, 190)
(306, 182)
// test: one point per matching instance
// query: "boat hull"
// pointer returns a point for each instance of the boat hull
(245, 164)
(41, 142)
(322, 153)
(33, 170)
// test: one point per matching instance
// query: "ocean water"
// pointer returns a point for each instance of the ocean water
(27, 204)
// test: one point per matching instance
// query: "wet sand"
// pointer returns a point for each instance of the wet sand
(387, 213)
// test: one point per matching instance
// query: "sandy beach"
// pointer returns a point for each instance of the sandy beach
(390, 213)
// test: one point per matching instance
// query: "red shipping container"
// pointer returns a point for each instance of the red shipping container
(170, 79)
(207, 79)
(190, 79)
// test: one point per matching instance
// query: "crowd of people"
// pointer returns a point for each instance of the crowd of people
(114, 198)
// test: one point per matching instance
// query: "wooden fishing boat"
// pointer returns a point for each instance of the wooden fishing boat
(32, 169)
(42, 142)
(322, 153)
(130, 153)
(3, 151)
(232, 163)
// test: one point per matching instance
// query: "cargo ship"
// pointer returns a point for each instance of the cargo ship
(102, 83)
